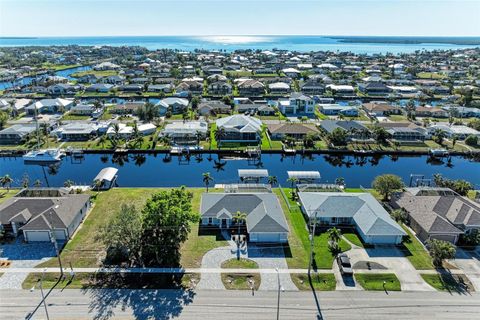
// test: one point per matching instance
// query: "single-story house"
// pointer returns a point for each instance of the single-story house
(39, 212)
(374, 88)
(165, 88)
(460, 131)
(279, 88)
(297, 131)
(361, 210)
(220, 88)
(381, 109)
(186, 132)
(49, 106)
(100, 87)
(438, 213)
(330, 109)
(213, 108)
(355, 130)
(129, 107)
(341, 89)
(312, 87)
(265, 220)
(17, 133)
(124, 132)
(433, 112)
(75, 131)
(250, 87)
(240, 128)
(172, 104)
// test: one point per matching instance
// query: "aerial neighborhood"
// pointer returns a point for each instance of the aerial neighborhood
(254, 121)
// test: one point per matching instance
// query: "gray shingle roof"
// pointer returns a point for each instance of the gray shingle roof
(264, 213)
(367, 213)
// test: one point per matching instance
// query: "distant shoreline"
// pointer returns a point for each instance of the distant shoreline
(410, 40)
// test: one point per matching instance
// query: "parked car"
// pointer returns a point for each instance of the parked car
(344, 264)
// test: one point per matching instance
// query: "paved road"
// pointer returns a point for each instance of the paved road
(168, 304)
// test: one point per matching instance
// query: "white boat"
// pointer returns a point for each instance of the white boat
(43, 155)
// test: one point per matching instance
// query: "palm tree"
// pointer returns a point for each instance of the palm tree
(239, 218)
(292, 181)
(6, 180)
(272, 180)
(98, 184)
(207, 178)
(68, 183)
(334, 236)
(102, 140)
(198, 137)
(340, 181)
(219, 135)
(37, 183)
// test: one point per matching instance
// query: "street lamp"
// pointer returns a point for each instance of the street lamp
(41, 290)
(280, 288)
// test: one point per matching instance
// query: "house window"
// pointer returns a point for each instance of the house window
(210, 220)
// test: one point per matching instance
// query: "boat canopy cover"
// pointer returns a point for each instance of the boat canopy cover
(106, 174)
(252, 173)
(304, 174)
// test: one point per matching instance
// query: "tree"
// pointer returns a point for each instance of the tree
(334, 236)
(459, 186)
(338, 137)
(195, 101)
(239, 218)
(25, 180)
(37, 183)
(399, 215)
(293, 181)
(68, 183)
(380, 134)
(167, 217)
(340, 181)
(207, 178)
(386, 184)
(440, 250)
(122, 236)
(272, 180)
(454, 140)
(471, 140)
(7, 181)
(219, 135)
(471, 238)
(3, 119)
(438, 136)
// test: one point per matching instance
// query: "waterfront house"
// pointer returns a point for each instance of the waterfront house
(106, 66)
(75, 131)
(422, 111)
(459, 131)
(129, 107)
(360, 210)
(381, 109)
(240, 128)
(165, 88)
(265, 221)
(17, 134)
(124, 132)
(131, 88)
(213, 107)
(49, 106)
(296, 131)
(292, 73)
(297, 104)
(193, 87)
(62, 88)
(186, 132)
(173, 104)
(342, 89)
(330, 109)
(42, 213)
(438, 213)
(100, 87)
(355, 130)
(374, 88)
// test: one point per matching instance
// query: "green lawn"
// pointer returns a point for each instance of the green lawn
(297, 255)
(320, 281)
(239, 264)
(240, 281)
(374, 282)
(5, 194)
(352, 236)
(115, 280)
(85, 250)
(74, 117)
(430, 75)
(447, 282)
(100, 73)
(397, 117)
(415, 252)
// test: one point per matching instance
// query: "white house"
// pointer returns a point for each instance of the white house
(298, 103)
(240, 128)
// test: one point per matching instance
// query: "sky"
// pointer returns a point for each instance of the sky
(239, 17)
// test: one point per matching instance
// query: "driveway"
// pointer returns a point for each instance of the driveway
(469, 263)
(22, 255)
(395, 262)
(265, 257)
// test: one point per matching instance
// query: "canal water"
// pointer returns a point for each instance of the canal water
(150, 170)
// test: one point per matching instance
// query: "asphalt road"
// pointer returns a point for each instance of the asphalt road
(168, 304)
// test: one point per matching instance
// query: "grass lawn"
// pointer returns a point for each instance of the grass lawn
(5, 194)
(352, 236)
(320, 281)
(415, 252)
(84, 250)
(106, 280)
(397, 117)
(447, 282)
(239, 264)
(297, 254)
(240, 281)
(374, 282)
(430, 75)
(100, 73)
(75, 117)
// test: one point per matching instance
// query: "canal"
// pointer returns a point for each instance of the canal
(160, 170)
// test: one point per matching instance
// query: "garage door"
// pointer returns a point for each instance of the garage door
(33, 236)
(268, 237)
(383, 239)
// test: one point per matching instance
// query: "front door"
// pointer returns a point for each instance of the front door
(224, 223)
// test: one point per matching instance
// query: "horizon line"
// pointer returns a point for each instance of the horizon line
(239, 35)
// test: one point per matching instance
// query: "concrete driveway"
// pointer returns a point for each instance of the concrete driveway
(469, 263)
(265, 257)
(395, 262)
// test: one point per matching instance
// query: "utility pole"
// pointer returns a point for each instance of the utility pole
(278, 293)
(55, 245)
(43, 295)
(312, 238)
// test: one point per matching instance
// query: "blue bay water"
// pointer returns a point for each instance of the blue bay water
(231, 43)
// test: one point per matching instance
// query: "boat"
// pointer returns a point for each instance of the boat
(43, 155)
(439, 153)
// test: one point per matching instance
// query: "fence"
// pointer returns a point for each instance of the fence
(287, 201)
